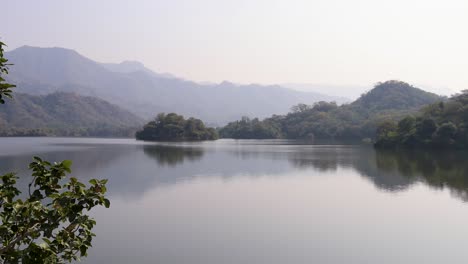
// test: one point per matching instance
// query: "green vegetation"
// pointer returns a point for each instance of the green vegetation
(438, 125)
(356, 121)
(5, 88)
(65, 114)
(247, 128)
(50, 225)
(172, 127)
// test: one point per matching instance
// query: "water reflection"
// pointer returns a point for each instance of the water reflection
(266, 201)
(388, 170)
(172, 155)
(438, 169)
(393, 170)
(132, 170)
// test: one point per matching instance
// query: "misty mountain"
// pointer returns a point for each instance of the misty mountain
(353, 92)
(132, 86)
(134, 66)
(65, 114)
(347, 93)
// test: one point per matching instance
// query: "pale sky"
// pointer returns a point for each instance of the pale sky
(335, 42)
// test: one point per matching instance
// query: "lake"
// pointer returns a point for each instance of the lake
(264, 201)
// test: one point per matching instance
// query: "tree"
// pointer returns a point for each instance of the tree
(5, 88)
(445, 134)
(425, 129)
(174, 127)
(300, 108)
(49, 224)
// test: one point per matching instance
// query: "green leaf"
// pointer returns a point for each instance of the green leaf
(67, 164)
(106, 203)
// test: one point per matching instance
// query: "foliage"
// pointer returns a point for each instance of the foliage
(50, 225)
(439, 125)
(248, 128)
(396, 95)
(388, 101)
(175, 127)
(5, 88)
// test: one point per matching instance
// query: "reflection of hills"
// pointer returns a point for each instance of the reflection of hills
(88, 160)
(331, 158)
(134, 169)
(393, 170)
(437, 169)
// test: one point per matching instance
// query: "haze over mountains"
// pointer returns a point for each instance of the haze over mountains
(132, 86)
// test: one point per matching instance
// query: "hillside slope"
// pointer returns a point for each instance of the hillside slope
(65, 114)
(394, 95)
(145, 93)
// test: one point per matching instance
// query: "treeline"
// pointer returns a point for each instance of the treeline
(439, 125)
(170, 127)
(390, 100)
(98, 131)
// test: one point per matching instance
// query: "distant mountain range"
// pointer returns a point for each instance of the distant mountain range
(65, 114)
(130, 85)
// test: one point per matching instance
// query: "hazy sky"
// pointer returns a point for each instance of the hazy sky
(338, 42)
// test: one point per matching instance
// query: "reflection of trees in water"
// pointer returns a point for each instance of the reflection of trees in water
(322, 158)
(86, 160)
(437, 169)
(171, 156)
(387, 170)
(393, 170)
(362, 159)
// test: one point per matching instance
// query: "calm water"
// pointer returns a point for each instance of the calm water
(265, 201)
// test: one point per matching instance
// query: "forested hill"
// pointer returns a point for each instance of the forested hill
(65, 114)
(394, 95)
(390, 100)
(144, 92)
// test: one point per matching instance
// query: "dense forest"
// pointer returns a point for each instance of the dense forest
(65, 114)
(389, 100)
(174, 127)
(438, 125)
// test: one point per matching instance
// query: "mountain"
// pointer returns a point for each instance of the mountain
(134, 66)
(146, 93)
(395, 95)
(65, 114)
(358, 120)
(347, 93)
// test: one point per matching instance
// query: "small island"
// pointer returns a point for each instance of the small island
(174, 127)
